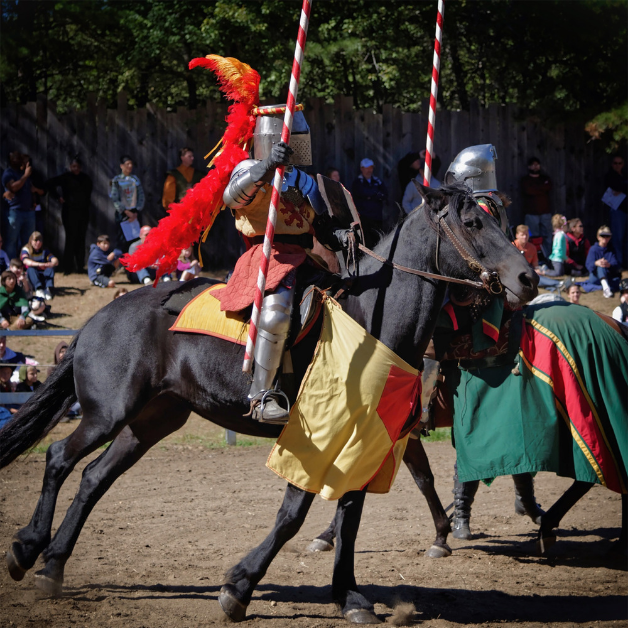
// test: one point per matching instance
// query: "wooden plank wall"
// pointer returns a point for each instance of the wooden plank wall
(341, 137)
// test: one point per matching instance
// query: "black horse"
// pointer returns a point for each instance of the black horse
(137, 382)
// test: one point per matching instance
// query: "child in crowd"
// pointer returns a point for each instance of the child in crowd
(574, 294)
(620, 313)
(602, 263)
(188, 266)
(14, 308)
(28, 379)
(101, 264)
(558, 256)
(528, 250)
(37, 304)
(6, 386)
(119, 293)
(577, 247)
(40, 266)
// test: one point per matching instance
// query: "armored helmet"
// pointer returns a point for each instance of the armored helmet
(268, 127)
(475, 166)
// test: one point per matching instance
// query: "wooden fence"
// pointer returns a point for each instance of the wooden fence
(341, 137)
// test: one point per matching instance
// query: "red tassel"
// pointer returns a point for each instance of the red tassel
(198, 209)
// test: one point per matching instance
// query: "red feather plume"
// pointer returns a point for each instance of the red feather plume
(197, 211)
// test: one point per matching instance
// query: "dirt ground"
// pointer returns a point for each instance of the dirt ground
(154, 551)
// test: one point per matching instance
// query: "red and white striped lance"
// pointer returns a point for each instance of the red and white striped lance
(277, 183)
(429, 147)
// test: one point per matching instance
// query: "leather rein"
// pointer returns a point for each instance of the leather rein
(489, 280)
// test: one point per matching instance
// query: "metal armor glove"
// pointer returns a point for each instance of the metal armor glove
(265, 170)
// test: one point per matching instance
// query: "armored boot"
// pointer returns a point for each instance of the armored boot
(274, 325)
(525, 502)
(464, 494)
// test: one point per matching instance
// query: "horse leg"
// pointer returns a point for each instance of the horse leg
(242, 579)
(61, 458)
(98, 476)
(525, 501)
(551, 519)
(419, 467)
(354, 606)
(325, 542)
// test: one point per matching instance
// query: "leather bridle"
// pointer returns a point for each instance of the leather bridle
(489, 280)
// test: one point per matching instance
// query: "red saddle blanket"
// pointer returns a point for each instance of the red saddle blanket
(240, 291)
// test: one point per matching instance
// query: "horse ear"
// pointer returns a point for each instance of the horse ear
(431, 196)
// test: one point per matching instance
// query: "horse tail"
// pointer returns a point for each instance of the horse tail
(45, 408)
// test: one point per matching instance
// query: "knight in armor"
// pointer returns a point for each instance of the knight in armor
(301, 215)
(476, 167)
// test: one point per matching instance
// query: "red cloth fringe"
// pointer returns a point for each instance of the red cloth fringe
(197, 211)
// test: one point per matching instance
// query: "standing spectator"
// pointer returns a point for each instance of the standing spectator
(536, 187)
(39, 191)
(602, 263)
(559, 247)
(76, 191)
(181, 179)
(127, 195)
(369, 194)
(333, 174)
(40, 266)
(411, 197)
(615, 197)
(620, 313)
(101, 263)
(577, 247)
(5, 262)
(16, 181)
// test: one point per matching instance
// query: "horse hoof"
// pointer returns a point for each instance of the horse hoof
(319, 545)
(16, 571)
(462, 534)
(231, 606)
(361, 616)
(438, 551)
(52, 588)
(544, 543)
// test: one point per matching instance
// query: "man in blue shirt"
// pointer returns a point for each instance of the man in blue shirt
(16, 181)
(369, 194)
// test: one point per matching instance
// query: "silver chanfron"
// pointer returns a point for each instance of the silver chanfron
(475, 166)
(268, 132)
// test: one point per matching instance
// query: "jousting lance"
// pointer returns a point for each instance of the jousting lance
(429, 147)
(277, 183)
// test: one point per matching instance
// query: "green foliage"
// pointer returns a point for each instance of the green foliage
(560, 56)
(615, 122)
(438, 435)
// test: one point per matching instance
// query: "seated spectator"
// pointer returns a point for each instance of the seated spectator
(40, 266)
(39, 309)
(101, 264)
(4, 259)
(120, 292)
(60, 351)
(574, 294)
(528, 250)
(620, 313)
(602, 263)
(14, 308)
(411, 197)
(7, 386)
(144, 275)
(28, 379)
(559, 247)
(8, 356)
(187, 266)
(577, 247)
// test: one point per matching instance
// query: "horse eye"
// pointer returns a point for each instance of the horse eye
(471, 223)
